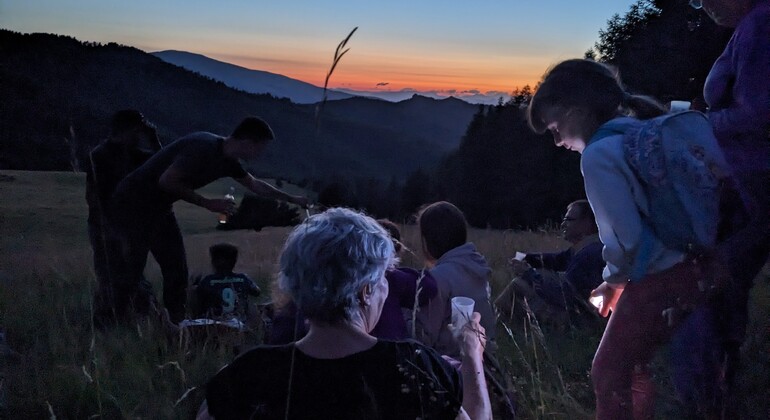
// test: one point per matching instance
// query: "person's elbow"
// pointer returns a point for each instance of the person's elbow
(167, 182)
(170, 182)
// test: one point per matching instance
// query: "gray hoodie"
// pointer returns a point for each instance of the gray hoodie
(459, 272)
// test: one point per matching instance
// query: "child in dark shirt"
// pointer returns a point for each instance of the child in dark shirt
(224, 294)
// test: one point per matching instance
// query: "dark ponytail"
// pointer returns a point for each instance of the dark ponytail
(591, 92)
(642, 107)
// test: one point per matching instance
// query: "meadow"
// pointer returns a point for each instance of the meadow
(56, 365)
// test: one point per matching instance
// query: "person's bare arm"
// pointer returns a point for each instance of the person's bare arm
(264, 189)
(462, 415)
(476, 404)
(172, 181)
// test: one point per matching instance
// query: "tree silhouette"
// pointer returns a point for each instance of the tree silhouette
(663, 48)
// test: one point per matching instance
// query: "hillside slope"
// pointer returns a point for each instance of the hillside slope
(58, 91)
(248, 80)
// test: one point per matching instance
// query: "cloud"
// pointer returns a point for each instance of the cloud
(383, 84)
(470, 92)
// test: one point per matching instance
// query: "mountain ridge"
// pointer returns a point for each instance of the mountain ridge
(59, 94)
(249, 80)
(298, 91)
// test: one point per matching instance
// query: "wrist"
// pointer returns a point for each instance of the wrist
(473, 361)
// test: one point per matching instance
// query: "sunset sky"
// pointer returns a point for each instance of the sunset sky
(447, 46)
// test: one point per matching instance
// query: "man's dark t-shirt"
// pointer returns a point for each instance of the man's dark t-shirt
(199, 156)
(392, 380)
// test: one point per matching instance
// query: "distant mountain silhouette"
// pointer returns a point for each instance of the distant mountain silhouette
(489, 98)
(257, 81)
(252, 81)
(59, 92)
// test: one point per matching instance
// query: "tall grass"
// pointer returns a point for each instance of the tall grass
(67, 369)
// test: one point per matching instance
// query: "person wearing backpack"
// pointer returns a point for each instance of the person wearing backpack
(648, 273)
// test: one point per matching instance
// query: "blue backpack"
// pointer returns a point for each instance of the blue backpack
(683, 172)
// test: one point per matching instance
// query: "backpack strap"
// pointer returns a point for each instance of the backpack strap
(636, 149)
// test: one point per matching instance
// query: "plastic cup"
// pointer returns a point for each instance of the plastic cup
(462, 308)
(597, 301)
(679, 106)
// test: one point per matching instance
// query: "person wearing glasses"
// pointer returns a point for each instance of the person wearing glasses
(554, 283)
(737, 92)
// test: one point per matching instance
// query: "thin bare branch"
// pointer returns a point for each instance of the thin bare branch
(338, 54)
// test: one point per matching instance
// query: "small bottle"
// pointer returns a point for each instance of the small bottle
(230, 196)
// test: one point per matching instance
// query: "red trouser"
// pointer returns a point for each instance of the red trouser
(636, 329)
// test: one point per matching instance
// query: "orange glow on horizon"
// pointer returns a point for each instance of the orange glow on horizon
(453, 77)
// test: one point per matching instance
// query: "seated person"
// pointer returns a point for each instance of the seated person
(333, 267)
(403, 285)
(288, 326)
(556, 282)
(224, 294)
(459, 270)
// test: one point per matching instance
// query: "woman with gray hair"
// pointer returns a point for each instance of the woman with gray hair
(333, 267)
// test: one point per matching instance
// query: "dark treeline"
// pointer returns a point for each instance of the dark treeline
(59, 92)
(502, 176)
(663, 48)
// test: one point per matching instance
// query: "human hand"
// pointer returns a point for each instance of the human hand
(472, 337)
(609, 293)
(220, 205)
(518, 266)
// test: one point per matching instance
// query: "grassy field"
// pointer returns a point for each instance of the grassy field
(64, 369)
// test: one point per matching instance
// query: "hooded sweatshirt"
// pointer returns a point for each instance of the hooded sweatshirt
(461, 271)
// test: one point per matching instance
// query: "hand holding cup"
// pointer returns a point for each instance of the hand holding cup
(472, 336)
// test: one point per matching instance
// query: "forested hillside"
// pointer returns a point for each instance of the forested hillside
(59, 92)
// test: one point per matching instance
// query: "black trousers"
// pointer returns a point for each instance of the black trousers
(140, 233)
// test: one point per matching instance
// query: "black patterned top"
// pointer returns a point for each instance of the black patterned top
(392, 380)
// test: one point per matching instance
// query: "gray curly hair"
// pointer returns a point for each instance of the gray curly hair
(329, 258)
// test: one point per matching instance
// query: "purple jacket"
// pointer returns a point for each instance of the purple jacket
(288, 326)
(402, 283)
(738, 93)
